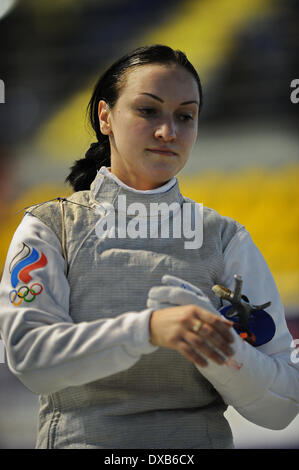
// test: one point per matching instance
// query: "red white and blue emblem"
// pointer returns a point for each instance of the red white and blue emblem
(28, 259)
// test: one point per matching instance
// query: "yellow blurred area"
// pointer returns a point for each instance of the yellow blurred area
(204, 30)
(265, 201)
(10, 215)
(67, 133)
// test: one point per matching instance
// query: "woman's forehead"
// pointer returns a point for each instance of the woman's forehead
(152, 78)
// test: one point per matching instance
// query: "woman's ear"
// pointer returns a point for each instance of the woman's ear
(104, 117)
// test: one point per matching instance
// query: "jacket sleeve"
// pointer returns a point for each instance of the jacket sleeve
(45, 349)
(261, 383)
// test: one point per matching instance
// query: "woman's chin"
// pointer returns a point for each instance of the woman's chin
(165, 167)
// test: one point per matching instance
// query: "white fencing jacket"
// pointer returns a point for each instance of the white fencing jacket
(265, 389)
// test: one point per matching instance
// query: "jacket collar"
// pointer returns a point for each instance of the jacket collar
(106, 188)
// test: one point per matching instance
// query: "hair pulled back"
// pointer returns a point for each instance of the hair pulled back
(108, 88)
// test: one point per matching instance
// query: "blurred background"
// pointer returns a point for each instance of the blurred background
(245, 163)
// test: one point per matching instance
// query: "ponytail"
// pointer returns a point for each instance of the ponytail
(84, 171)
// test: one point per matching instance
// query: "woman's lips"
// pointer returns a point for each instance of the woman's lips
(163, 152)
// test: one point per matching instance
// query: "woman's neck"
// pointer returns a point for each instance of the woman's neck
(164, 187)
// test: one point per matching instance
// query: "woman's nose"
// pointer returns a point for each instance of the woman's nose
(166, 131)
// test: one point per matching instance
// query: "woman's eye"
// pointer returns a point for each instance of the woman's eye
(152, 111)
(147, 111)
(186, 117)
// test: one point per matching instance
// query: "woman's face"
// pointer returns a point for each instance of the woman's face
(153, 125)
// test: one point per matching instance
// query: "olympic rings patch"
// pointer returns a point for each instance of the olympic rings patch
(25, 293)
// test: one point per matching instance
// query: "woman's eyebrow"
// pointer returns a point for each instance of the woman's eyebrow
(160, 99)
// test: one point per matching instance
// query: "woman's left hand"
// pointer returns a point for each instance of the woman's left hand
(177, 291)
(214, 336)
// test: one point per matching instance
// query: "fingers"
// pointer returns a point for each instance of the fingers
(211, 336)
(216, 350)
(192, 355)
(214, 325)
(197, 350)
(173, 327)
(207, 342)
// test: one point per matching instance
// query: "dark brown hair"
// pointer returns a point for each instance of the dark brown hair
(108, 89)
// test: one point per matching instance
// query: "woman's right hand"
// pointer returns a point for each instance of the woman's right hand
(173, 328)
